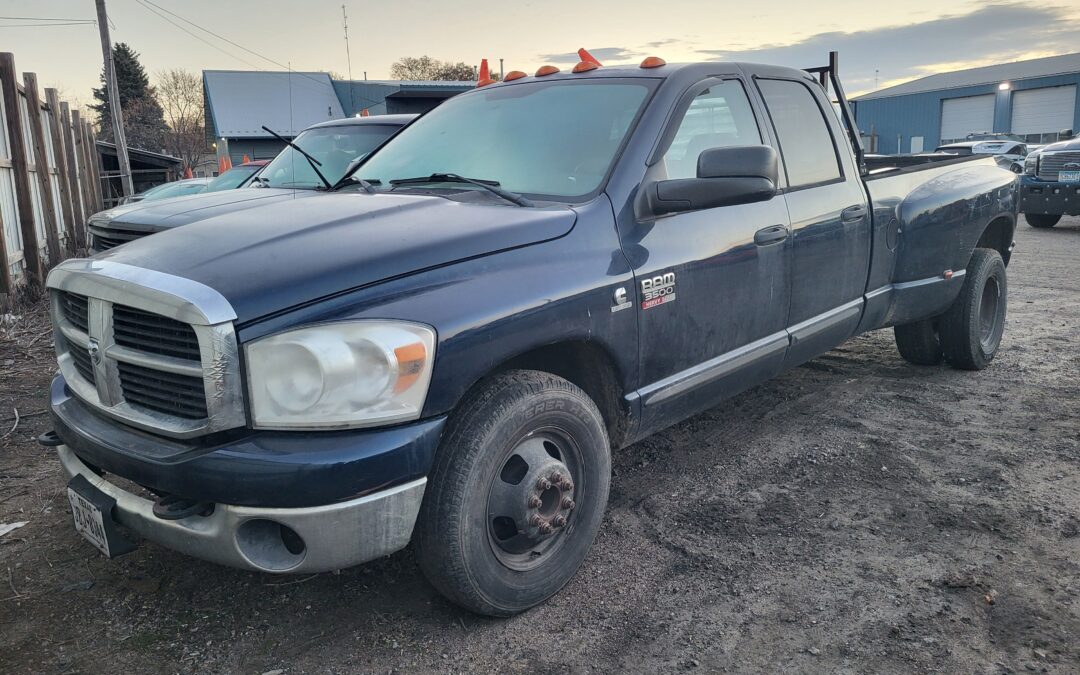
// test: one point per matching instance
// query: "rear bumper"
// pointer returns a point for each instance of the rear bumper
(1052, 198)
(333, 536)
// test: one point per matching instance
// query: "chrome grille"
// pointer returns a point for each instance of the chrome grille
(154, 333)
(1052, 163)
(75, 310)
(103, 238)
(155, 351)
(169, 393)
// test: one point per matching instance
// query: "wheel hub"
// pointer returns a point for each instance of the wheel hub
(531, 502)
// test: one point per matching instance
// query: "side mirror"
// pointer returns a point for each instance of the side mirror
(725, 177)
(1066, 134)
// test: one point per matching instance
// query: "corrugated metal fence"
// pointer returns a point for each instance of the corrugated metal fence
(49, 178)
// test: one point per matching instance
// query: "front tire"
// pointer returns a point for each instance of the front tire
(517, 494)
(1042, 220)
(972, 327)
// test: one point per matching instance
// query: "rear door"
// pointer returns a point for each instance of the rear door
(712, 300)
(829, 214)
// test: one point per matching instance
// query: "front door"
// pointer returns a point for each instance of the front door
(712, 285)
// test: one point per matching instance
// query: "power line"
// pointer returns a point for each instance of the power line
(45, 25)
(195, 35)
(45, 18)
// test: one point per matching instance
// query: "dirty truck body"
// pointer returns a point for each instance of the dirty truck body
(310, 385)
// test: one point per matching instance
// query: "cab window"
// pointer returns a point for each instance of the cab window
(806, 144)
(720, 116)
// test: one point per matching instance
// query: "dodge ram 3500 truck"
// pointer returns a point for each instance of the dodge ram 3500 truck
(333, 145)
(447, 349)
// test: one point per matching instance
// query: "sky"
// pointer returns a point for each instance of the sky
(880, 44)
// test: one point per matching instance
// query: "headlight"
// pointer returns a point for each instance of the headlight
(340, 375)
(1031, 163)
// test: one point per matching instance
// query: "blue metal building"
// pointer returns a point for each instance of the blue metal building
(1034, 100)
(239, 102)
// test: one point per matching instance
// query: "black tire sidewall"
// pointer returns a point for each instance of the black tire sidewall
(1042, 220)
(960, 327)
(456, 524)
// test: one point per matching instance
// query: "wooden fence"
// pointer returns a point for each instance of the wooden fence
(49, 180)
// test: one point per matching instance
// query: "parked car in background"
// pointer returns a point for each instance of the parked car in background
(1008, 154)
(176, 188)
(1050, 186)
(287, 176)
(533, 275)
(237, 177)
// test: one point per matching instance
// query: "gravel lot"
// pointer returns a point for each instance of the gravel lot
(857, 514)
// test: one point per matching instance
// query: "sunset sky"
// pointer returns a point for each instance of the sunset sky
(883, 42)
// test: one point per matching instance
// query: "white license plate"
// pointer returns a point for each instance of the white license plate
(1069, 176)
(89, 521)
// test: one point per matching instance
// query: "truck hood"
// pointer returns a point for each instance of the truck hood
(277, 256)
(166, 213)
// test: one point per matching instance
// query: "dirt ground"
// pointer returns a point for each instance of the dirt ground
(855, 515)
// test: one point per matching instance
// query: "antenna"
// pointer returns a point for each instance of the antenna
(348, 56)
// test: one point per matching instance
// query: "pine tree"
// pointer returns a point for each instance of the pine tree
(144, 122)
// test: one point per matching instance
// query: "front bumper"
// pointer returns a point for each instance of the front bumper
(1048, 197)
(250, 468)
(333, 536)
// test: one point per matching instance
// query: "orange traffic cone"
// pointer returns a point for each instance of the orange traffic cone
(228, 162)
(187, 173)
(246, 159)
(365, 113)
(221, 168)
(484, 78)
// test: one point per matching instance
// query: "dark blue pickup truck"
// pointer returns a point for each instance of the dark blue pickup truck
(448, 347)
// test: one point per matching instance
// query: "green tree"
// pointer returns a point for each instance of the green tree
(427, 68)
(144, 121)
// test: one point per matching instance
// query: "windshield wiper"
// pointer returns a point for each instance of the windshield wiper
(489, 185)
(315, 164)
(353, 165)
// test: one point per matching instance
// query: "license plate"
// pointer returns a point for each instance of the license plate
(1069, 176)
(89, 521)
(92, 510)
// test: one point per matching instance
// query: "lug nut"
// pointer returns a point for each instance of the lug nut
(567, 503)
(559, 521)
(556, 478)
(545, 528)
(535, 502)
(536, 520)
(543, 484)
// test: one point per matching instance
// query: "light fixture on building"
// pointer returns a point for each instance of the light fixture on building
(1004, 86)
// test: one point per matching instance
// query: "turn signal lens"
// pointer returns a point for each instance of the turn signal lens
(546, 70)
(514, 75)
(484, 83)
(585, 67)
(653, 62)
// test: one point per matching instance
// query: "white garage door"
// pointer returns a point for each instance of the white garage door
(1042, 111)
(962, 116)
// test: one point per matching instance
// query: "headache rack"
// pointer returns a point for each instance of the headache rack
(830, 75)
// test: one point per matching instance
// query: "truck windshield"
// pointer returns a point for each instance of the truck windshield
(335, 147)
(551, 139)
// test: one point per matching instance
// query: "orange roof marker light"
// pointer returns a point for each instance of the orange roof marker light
(653, 62)
(484, 78)
(546, 70)
(586, 57)
(514, 75)
(246, 158)
(585, 66)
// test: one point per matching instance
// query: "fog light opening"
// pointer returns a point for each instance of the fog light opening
(270, 545)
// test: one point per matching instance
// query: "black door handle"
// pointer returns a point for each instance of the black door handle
(853, 213)
(770, 235)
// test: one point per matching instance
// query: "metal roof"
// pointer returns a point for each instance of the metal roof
(1003, 72)
(241, 101)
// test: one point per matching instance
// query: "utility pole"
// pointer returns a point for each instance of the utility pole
(348, 57)
(114, 101)
(500, 70)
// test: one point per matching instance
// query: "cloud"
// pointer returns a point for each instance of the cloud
(990, 34)
(602, 54)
